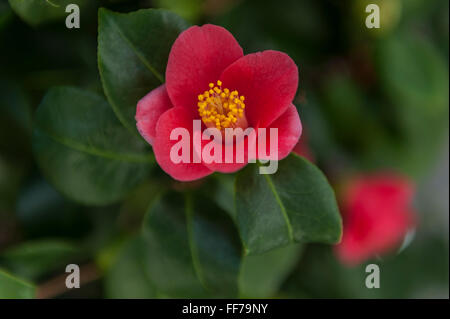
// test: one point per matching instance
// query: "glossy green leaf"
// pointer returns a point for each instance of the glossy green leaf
(32, 260)
(194, 249)
(133, 50)
(296, 204)
(84, 151)
(262, 275)
(36, 12)
(14, 288)
(127, 278)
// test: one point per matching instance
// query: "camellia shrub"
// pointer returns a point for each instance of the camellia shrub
(90, 149)
(179, 164)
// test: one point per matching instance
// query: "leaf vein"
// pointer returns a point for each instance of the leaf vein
(138, 53)
(282, 208)
(135, 158)
(194, 253)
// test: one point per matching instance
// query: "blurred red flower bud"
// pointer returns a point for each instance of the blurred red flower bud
(377, 214)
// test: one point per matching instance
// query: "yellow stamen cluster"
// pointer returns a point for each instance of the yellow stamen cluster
(219, 107)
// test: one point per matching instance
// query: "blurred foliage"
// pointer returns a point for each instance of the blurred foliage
(369, 99)
(127, 277)
(274, 266)
(12, 287)
(189, 10)
(37, 12)
(31, 260)
(418, 272)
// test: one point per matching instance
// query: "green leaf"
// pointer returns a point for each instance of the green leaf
(14, 288)
(83, 150)
(296, 204)
(262, 275)
(133, 50)
(194, 249)
(36, 12)
(32, 260)
(127, 277)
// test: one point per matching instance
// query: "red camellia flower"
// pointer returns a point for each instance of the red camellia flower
(377, 214)
(209, 79)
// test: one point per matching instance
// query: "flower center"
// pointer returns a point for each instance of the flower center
(221, 108)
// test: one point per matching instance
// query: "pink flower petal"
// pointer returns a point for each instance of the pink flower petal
(239, 149)
(148, 111)
(268, 80)
(289, 131)
(173, 118)
(197, 58)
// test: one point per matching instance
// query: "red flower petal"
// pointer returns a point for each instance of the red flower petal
(289, 131)
(148, 111)
(197, 58)
(236, 148)
(268, 80)
(176, 117)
